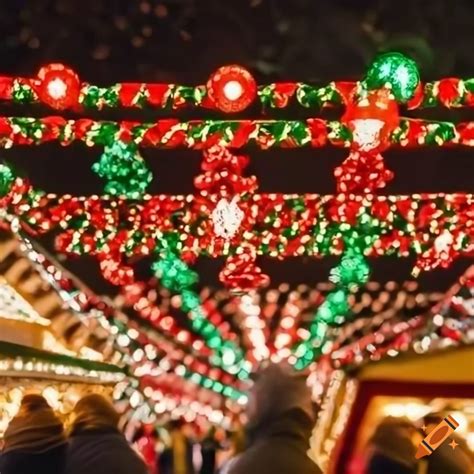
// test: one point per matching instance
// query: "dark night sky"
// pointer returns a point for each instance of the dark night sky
(185, 40)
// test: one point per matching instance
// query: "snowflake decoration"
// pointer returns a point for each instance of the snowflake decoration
(227, 217)
(367, 133)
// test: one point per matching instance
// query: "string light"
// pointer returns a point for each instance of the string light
(444, 92)
(18, 365)
(199, 134)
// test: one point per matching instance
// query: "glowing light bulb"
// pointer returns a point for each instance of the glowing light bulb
(233, 90)
(57, 88)
(228, 357)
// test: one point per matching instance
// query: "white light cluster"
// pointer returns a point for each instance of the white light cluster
(19, 365)
(254, 326)
(176, 408)
(14, 306)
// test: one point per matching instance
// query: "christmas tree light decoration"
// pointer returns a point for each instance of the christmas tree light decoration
(59, 86)
(371, 119)
(241, 274)
(174, 273)
(396, 72)
(352, 272)
(124, 169)
(6, 179)
(223, 174)
(227, 217)
(362, 172)
(231, 89)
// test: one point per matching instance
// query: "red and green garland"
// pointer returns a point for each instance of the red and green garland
(228, 217)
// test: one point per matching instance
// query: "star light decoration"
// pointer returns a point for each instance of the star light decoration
(226, 218)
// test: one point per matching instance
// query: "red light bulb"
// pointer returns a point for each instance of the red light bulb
(59, 86)
(231, 89)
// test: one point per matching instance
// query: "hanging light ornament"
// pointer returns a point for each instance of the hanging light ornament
(58, 86)
(222, 181)
(241, 274)
(231, 89)
(396, 72)
(124, 169)
(372, 117)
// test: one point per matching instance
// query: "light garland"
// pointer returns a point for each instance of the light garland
(450, 321)
(254, 327)
(281, 225)
(60, 370)
(58, 87)
(318, 450)
(228, 218)
(132, 340)
(201, 134)
(13, 306)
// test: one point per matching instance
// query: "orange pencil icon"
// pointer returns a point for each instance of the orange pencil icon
(436, 437)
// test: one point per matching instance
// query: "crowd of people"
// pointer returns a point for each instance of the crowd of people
(281, 417)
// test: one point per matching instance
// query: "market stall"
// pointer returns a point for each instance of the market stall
(404, 369)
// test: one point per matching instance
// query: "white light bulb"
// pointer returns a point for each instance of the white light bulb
(57, 88)
(233, 90)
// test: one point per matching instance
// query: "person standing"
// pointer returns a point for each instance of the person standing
(209, 448)
(392, 448)
(34, 441)
(281, 418)
(445, 459)
(177, 458)
(95, 443)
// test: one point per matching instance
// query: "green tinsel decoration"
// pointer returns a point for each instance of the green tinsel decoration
(352, 272)
(6, 179)
(124, 169)
(174, 273)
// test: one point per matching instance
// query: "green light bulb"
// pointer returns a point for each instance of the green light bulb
(396, 71)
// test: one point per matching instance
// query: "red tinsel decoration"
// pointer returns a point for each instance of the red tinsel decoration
(362, 172)
(223, 173)
(363, 114)
(442, 253)
(241, 274)
(115, 271)
(59, 86)
(231, 89)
